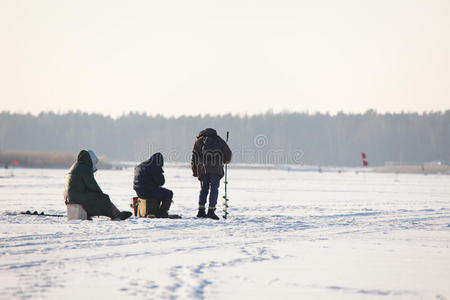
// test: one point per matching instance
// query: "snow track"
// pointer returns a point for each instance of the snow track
(289, 234)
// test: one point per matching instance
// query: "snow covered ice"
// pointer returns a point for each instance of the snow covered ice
(294, 235)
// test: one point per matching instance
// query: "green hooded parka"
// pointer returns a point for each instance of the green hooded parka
(82, 188)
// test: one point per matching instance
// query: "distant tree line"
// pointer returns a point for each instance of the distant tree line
(284, 138)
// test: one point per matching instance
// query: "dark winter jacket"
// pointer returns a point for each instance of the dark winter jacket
(82, 188)
(148, 176)
(209, 155)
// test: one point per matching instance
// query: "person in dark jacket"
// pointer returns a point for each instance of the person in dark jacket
(148, 182)
(209, 155)
(82, 188)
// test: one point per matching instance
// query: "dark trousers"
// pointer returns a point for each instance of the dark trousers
(209, 183)
(102, 206)
(162, 200)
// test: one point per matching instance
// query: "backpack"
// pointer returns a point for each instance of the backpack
(211, 150)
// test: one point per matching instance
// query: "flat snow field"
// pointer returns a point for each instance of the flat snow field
(289, 235)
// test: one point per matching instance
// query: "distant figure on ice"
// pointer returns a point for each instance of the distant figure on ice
(209, 155)
(148, 182)
(82, 188)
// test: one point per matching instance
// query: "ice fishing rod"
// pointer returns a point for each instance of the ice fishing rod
(225, 197)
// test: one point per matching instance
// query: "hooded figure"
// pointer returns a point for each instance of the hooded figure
(94, 160)
(209, 154)
(82, 188)
(148, 182)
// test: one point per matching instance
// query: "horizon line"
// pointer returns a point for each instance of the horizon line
(240, 115)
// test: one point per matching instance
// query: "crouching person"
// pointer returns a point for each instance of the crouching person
(148, 182)
(82, 188)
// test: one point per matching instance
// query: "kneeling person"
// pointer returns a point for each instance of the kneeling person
(82, 188)
(148, 182)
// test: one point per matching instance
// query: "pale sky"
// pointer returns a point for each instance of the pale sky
(233, 56)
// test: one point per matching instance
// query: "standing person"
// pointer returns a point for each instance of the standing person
(82, 188)
(209, 155)
(148, 182)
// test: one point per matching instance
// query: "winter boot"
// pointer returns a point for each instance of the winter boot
(123, 215)
(153, 207)
(201, 212)
(117, 214)
(164, 209)
(211, 214)
(162, 214)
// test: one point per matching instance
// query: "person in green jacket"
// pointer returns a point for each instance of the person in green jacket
(82, 188)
